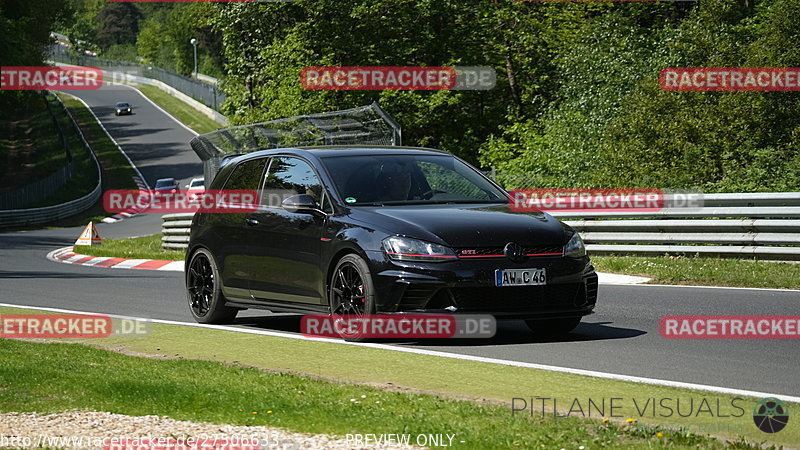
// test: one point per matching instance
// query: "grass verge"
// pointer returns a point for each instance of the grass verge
(95, 379)
(143, 247)
(704, 271)
(84, 177)
(117, 171)
(315, 381)
(183, 112)
(36, 151)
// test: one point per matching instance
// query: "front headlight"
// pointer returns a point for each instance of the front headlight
(575, 247)
(406, 249)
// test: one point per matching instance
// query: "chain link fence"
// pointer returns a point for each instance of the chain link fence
(206, 93)
(364, 125)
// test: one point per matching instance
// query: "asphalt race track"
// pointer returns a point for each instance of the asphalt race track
(622, 337)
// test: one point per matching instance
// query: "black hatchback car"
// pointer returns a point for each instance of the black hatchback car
(123, 108)
(346, 230)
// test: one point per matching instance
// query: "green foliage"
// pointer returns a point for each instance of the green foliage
(117, 23)
(613, 125)
(577, 101)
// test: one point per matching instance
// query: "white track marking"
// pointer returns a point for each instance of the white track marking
(195, 133)
(418, 351)
(112, 139)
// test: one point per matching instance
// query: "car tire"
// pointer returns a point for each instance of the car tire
(204, 291)
(351, 291)
(553, 327)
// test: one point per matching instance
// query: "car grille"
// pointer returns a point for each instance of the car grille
(497, 252)
(518, 298)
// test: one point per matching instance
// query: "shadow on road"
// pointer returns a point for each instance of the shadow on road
(510, 332)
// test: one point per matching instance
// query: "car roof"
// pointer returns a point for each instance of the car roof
(164, 180)
(339, 150)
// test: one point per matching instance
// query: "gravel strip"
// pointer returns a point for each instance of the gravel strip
(90, 429)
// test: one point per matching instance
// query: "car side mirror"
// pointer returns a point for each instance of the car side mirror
(303, 203)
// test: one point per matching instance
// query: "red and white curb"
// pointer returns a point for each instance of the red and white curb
(66, 255)
(125, 214)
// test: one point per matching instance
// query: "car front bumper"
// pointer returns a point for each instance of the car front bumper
(468, 286)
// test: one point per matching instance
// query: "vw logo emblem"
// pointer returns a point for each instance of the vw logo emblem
(514, 252)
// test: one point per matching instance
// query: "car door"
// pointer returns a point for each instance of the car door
(235, 254)
(287, 244)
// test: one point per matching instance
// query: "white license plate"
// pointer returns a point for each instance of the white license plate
(519, 277)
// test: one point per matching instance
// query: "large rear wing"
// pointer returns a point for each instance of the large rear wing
(365, 125)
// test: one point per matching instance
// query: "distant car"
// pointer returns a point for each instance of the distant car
(165, 185)
(195, 189)
(123, 108)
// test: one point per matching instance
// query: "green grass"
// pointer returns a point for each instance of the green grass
(117, 384)
(183, 112)
(143, 247)
(117, 171)
(84, 177)
(704, 271)
(54, 377)
(32, 132)
(42, 153)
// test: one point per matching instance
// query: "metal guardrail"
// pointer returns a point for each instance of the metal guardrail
(745, 228)
(208, 94)
(175, 230)
(37, 216)
(759, 225)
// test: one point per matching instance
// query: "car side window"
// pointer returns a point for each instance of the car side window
(290, 176)
(247, 175)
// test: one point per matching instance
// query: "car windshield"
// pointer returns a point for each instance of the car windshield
(165, 182)
(409, 179)
(122, 105)
(196, 183)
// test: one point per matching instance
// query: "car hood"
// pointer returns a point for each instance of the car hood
(465, 225)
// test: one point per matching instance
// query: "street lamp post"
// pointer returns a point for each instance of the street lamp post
(194, 44)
